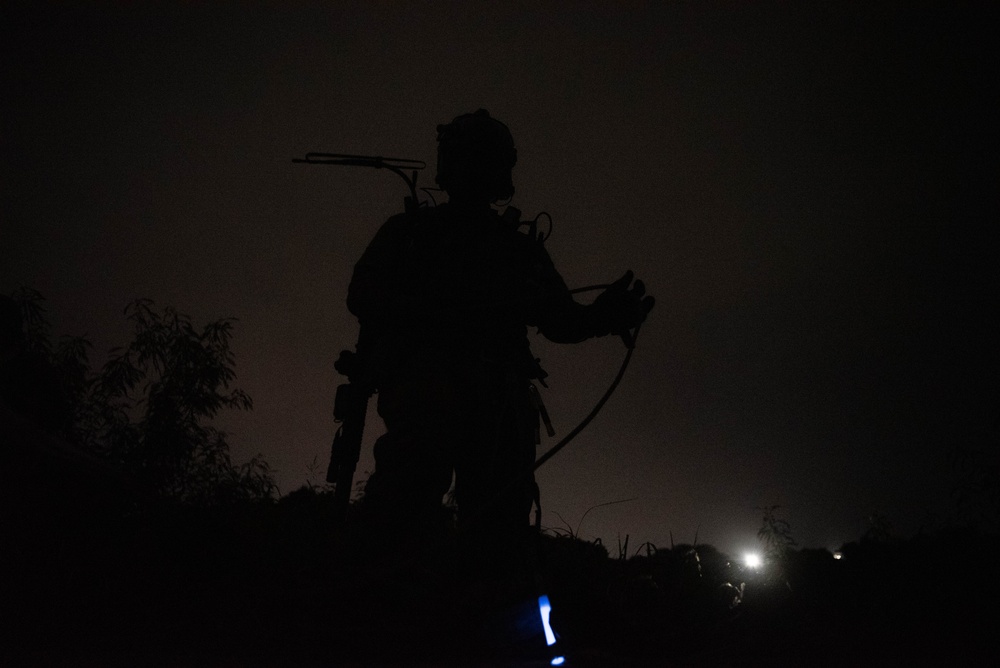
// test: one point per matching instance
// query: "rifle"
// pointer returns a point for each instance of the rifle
(349, 410)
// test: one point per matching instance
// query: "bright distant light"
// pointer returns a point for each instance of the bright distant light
(559, 660)
(752, 560)
(838, 555)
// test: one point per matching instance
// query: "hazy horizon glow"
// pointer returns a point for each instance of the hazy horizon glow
(807, 192)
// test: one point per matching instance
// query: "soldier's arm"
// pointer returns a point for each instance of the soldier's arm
(564, 320)
(555, 313)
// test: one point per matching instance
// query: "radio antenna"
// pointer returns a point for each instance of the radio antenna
(395, 165)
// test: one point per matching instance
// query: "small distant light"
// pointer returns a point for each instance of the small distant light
(838, 555)
(559, 660)
(752, 560)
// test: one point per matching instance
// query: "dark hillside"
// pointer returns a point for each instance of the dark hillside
(97, 575)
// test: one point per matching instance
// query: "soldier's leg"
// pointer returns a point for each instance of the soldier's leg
(495, 490)
(494, 485)
(414, 459)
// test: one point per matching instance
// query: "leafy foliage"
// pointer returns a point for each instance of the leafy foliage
(34, 324)
(776, 534)
(152, 402)
(148, 411)
(45, 382)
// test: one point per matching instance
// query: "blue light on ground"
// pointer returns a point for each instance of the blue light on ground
(545, 608)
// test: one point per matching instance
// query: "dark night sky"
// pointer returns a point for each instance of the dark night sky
(804, 190)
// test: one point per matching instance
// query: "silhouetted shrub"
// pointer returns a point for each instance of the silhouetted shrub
(776, 534)
(148, 411)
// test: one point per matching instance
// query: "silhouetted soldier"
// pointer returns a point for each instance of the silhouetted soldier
(444, 297)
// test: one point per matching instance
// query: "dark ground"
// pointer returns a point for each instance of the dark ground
(95, 574)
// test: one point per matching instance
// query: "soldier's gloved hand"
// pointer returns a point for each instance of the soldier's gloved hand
(620, 308)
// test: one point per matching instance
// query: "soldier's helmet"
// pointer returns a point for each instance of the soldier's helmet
(476, 155)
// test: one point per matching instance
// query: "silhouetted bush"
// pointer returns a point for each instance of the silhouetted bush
(147, 413)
